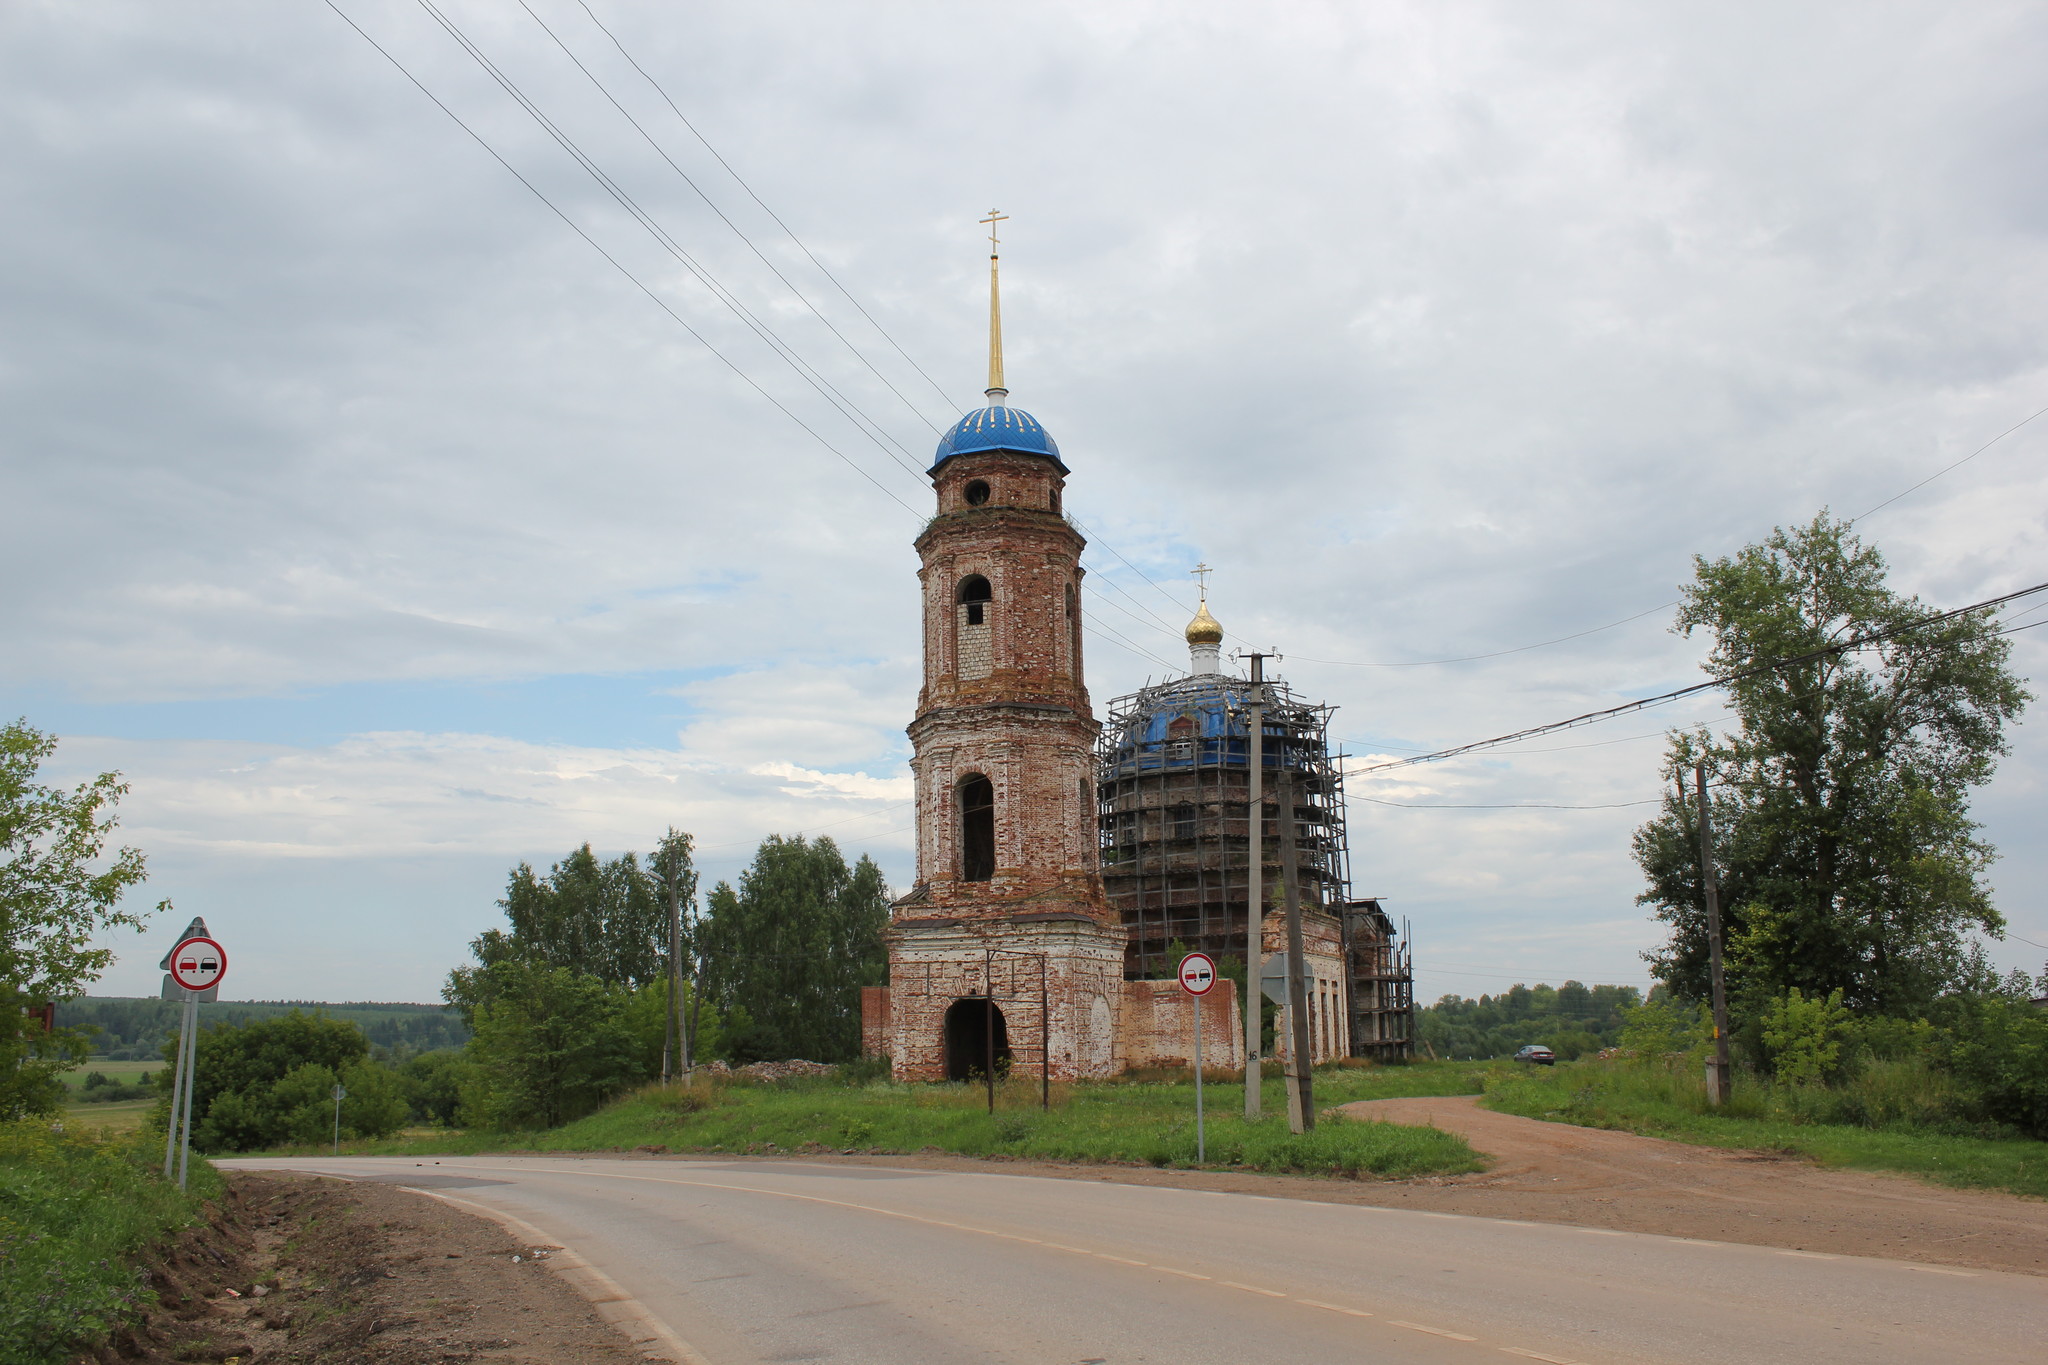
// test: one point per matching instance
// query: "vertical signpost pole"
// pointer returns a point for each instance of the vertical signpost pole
(1201, 1136)
(177, 1087)
(191, 1069)
(1198, 978)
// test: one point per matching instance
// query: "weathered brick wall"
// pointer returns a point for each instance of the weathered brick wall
(933, 964)
(1158, 1026)
(874, 1021)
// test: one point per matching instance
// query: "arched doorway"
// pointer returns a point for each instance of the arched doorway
(968, 1024)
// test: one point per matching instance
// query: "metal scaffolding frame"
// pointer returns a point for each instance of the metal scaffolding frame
(1172, 779)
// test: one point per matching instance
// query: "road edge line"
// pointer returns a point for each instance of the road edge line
(605, 1294)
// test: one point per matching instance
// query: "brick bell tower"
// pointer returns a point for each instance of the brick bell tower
(1006, 947)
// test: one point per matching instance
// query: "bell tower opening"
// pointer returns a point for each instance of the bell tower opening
(976, 1036)
(977, 829)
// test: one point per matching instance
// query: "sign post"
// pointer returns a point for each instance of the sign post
(194, 970)
(1198, 978)
(339, 1095)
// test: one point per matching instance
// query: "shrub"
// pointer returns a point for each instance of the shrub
(1804, 1035)
(2000, 1054)
(75, 1211)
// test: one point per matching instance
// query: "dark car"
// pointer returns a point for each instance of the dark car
(1537, 1053)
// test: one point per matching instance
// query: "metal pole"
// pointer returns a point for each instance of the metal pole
(671, 1025)
(1717, 1074)
(989, 1031)
(338, 1093)
(177, 1087)
(1255, 861)
(191, 1073)
(1301, 1093)
(1201, 1136)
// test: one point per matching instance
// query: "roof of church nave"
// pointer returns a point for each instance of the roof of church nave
(998, 427)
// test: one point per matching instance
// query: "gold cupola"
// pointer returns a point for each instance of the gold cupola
(1204, 629)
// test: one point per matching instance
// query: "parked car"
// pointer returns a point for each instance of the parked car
(1537, 1054)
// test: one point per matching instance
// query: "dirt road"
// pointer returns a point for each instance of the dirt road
(1558, 1173)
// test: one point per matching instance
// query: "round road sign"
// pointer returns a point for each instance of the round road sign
(198, 964)
(1197, 973)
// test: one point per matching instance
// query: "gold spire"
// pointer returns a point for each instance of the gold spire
(1204, 629)
(996, 391)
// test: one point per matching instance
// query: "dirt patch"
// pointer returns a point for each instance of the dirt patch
(1592, 1177)
(323, 1272)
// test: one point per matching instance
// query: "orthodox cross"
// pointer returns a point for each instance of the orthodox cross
(994, 217)
(1200, 573)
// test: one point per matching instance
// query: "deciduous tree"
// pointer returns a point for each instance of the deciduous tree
(60, 889)
(1848, 859)
(793, 945)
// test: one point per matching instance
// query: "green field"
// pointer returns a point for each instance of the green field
(123, 1071)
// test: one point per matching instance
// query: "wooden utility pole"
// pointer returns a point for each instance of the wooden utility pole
(1301, 1103)
(1254, 1002)
(671, 1024)
(1717, 1069)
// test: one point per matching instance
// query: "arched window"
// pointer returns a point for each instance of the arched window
(973, 650)
(977, 829)
(1183, 821)
(1073, 631)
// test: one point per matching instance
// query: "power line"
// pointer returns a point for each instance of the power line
(1856, 642)
(614, 262)
(741, 182)
(1409, 805)
(737, 230)
(852, 411)
(1957, 465)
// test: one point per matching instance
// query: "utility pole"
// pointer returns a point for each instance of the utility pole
(1253, 1002)
(1717, 1070)
(671, 1026)
(1301, 1104)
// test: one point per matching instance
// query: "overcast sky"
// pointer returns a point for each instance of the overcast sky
(384, 533)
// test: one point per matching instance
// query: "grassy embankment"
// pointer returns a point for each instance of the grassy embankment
(1651, 1099)
(1141, 1121)
(77, 1210)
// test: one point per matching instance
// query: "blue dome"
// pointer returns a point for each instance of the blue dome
(995, 428)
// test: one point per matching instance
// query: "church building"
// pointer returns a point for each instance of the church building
(1008, 952)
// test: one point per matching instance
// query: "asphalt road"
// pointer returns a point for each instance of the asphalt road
(793, 1261)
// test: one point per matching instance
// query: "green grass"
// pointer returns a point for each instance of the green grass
(1652, 1100)
(124, 1072)
(76, 1212)
(1135, 1121)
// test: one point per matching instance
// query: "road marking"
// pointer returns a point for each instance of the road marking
(1433, 1331)
(1124, 1259)
(1184, 1274)
(1538, 1355)
(1252, 1289)
(1334, 1308)
(1603, 1232)
(1811, 1255)
(1440, 1215)
(1939, 1270)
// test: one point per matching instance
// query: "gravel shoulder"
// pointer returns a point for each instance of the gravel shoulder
(314, 1271)
(1559, 1173)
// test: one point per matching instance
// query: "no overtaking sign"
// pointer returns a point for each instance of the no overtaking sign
(1197, 974)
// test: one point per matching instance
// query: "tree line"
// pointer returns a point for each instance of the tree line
(1572, 1020)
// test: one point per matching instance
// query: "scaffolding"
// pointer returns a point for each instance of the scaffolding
(1172, 770)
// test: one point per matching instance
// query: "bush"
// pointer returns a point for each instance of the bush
(1803, 1036)
(2000, 1055)
(551, 1045)
(75, 1212)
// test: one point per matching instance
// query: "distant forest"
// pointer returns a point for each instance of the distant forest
(132, 1029)
(1571, 1020)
